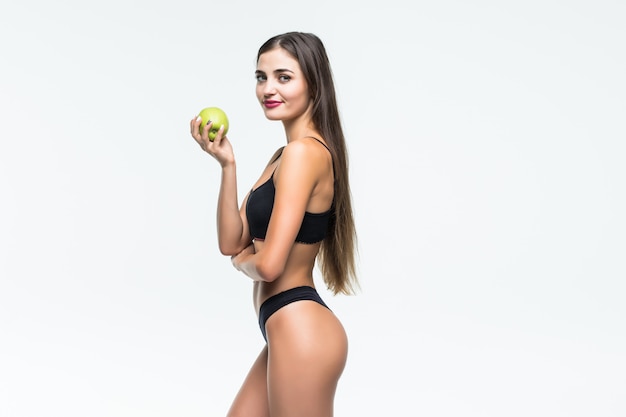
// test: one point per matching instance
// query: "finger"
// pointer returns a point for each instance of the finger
(219, 135)
(233, 260)
(194, 125)
(206, 130)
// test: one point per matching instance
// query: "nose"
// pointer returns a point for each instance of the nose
(269, 88)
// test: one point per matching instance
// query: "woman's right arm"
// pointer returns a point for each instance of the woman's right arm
(232, 234)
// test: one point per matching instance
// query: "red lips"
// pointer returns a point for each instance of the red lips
(270, 104)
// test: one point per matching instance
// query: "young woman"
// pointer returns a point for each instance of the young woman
(297, 213)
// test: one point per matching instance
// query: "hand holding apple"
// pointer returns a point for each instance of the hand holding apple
(215, 115)
(207, 137)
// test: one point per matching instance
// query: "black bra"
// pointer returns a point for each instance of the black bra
(259, 210)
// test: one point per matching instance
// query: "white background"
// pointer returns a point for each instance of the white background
(487, 146)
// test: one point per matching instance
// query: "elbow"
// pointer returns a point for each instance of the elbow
(230, 248)
(227, 251)
(268, 271)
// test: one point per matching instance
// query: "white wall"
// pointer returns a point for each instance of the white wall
(487, 149)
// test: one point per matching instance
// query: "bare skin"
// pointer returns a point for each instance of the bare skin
(296, 373)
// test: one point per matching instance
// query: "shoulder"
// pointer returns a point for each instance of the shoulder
(305, 151)
(303, 160)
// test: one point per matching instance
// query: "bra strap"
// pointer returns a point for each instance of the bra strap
(331, 157)
(323, 144)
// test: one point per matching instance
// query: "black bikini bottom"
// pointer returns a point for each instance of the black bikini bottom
(278, 301)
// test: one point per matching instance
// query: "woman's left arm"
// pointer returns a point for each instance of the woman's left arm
(294, 180)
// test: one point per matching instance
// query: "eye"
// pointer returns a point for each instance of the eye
(284, 78)
(260, 77)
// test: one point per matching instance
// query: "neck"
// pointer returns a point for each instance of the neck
(300, 127)
(295, 130)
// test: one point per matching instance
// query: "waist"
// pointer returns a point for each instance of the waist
(263, 290)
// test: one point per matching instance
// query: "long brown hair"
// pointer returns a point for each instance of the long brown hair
(338, 250)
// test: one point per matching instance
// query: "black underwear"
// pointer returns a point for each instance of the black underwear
(278, 301)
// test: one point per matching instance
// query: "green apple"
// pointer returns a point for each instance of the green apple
(215, 115)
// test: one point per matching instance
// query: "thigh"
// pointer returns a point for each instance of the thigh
(307, 354)
(252, 399)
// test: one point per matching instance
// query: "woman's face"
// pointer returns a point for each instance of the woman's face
(281, 88)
